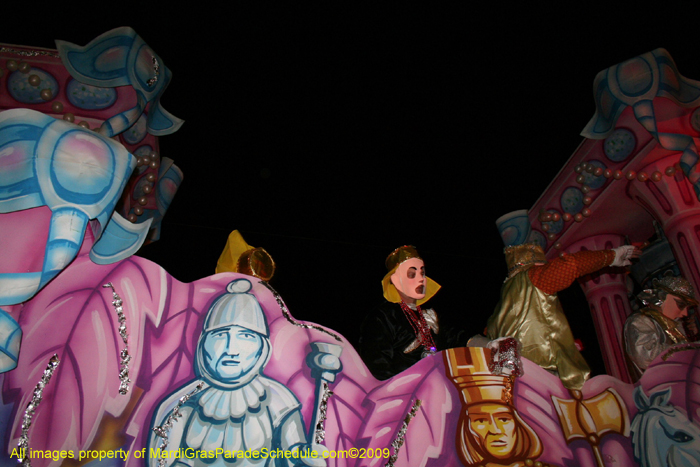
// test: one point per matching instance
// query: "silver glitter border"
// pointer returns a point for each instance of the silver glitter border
(289, 318)
(401, 436)
(29, 53)
(31, 408)
(162, 431)
(156, 70)
(124, 357)
(680, 348)
(320, 432)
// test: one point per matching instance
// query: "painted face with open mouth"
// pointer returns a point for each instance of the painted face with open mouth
(409, 279)
(231, 352)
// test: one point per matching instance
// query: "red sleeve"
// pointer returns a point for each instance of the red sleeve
(560, 273)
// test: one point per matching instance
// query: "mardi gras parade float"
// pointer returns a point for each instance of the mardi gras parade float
(108, 360)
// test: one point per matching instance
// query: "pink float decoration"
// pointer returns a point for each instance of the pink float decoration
(204, 357)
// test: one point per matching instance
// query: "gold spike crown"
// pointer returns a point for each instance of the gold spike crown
(469, 369)
(521, 257)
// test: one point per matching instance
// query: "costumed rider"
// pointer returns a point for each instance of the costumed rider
(655, 328)
(400, 332)
(238, 408)
(530, 310)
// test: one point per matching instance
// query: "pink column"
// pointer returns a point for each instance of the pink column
(606, 293)
(675, 206)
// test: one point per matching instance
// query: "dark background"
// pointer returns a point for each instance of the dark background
(330, 134)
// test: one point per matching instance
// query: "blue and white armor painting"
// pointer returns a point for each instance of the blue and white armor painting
(231, 405)
(120, 57)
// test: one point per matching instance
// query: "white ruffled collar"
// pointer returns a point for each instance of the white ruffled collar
(222, 404)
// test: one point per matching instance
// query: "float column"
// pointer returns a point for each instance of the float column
(673, 202)
(606, 292)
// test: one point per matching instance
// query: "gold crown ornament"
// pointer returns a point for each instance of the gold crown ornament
(469, 369)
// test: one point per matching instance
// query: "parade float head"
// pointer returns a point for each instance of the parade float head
(490, 429)
(234, 345)
(406, 277)
(522, 257)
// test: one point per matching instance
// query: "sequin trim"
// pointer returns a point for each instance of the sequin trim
(29, 53)
(156, 70)
(289, 318)
(23, 444)
(163, 430)
(323, 409)
(679, 348)
(401, 436)
(124, 357)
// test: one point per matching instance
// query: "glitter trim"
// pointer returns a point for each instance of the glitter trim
(162, 431)
(508, 390)
(29, 53)
(289, 318)
(323, 410)
(401, 436)
(679, 348)
(124, 357)
(23, 444)
(156, 70)
(676, 285)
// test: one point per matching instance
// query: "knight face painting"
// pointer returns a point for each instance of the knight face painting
(231, 352)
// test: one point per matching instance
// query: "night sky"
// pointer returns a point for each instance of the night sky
(330, 135)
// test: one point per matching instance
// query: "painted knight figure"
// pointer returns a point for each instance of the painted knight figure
(233, 406)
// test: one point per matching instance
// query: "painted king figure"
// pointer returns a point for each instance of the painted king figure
(232, 405)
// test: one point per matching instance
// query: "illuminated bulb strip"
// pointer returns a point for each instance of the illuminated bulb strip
(23, 444)
(124, 357)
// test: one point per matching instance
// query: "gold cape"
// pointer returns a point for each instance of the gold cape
(537, 321)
